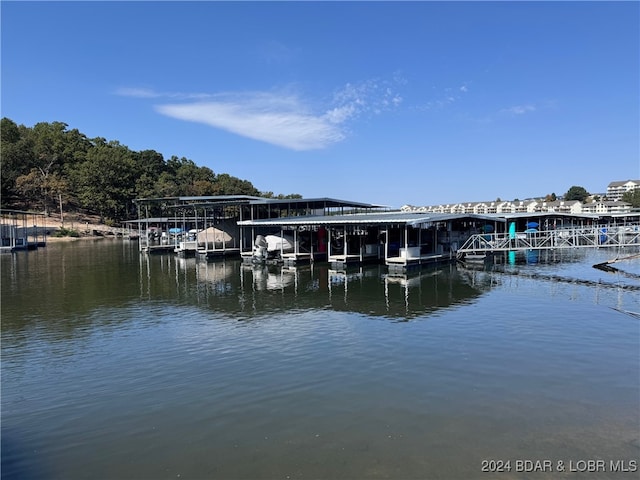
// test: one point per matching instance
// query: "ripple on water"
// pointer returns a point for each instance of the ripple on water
(160, 387)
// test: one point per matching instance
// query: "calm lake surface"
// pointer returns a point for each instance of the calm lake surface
(121, 365)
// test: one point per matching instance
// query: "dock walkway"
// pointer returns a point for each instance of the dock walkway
(583, 237)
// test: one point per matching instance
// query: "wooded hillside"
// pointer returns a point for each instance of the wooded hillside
(49, 168)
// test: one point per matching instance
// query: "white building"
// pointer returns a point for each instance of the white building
(608, 206)
(616, 190)
(561, 206)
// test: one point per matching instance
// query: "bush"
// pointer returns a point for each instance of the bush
(66, 232)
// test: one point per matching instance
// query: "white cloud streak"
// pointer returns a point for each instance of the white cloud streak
(281, 119)
(520, 109)
(150, 93)
(137, 92)
(277, 120)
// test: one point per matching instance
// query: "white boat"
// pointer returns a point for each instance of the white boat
(268, 280)
(270, 246)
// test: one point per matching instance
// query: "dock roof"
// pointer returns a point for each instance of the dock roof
(314, 203)
(373, 218)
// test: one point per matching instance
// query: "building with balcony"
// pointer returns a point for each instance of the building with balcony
(615, 190)
(606, 207)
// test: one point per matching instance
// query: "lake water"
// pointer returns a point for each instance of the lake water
(121, 365)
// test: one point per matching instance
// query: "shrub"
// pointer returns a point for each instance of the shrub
(66, 232)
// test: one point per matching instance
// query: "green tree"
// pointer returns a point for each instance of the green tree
(60, 186)
(50, 189)
(16, 152)
(282, 196)
(106, 181)
(576, 193)
(550, 197)
(48, 154)
(150, 165)
(75, 147)
(9, 131)
(189, 178)
(202, 187)
(165, 185)
(31, 186)
(226, 184)
(632, 197)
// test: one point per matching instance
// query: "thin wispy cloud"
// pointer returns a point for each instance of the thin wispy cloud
(520, 109)
(514, 111)
(150, 93)
(137, 92)
(370, 97)
(445, 97)
(284, 119)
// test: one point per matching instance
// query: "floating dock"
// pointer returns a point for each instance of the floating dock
(619, 236)
(399, 240)
(20, 230)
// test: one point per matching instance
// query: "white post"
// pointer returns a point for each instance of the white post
(386, 244)
(344, 241)
(406, 245)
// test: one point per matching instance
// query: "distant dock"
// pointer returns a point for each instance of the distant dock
(21, 230)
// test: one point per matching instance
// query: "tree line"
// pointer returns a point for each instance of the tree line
(51, 168)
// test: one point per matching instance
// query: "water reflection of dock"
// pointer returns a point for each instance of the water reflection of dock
(246, 290)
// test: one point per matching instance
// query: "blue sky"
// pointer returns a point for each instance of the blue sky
(393, 103)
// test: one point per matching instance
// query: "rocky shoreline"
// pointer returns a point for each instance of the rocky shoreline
(76, 229)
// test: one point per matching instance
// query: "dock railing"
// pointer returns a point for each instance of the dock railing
(579, 237)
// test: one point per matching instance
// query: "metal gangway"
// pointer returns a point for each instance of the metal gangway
(565, 238)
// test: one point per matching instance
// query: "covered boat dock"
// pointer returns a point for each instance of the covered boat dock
(210, 225)
(399, 239)
(20, 230)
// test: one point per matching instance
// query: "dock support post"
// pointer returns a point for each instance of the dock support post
(311, 243)
(386, 244)
(345, 242)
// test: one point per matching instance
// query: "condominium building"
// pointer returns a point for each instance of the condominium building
(616, 190)
(526, 206)
(606, 207)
